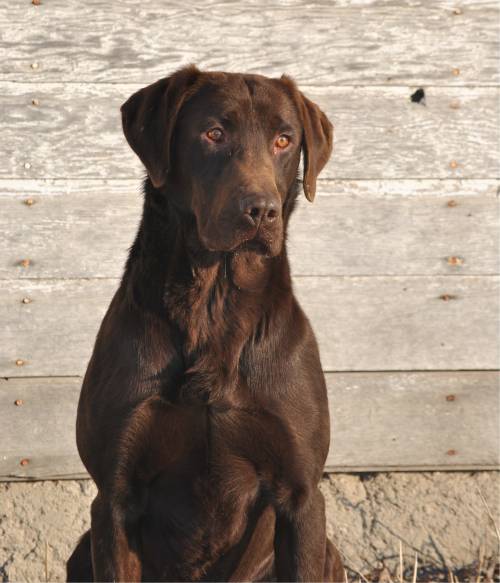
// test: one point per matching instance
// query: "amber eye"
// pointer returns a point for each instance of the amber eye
(215, 134)
(282, 141)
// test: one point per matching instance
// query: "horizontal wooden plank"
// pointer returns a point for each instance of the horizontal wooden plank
(354, 228)
(423, 420)
(373, 41)
(380, 421)
(75, 132)
(362, 323)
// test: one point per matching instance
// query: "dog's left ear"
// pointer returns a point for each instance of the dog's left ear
(148, 119)
(317, 139)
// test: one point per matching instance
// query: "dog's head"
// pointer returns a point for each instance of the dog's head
(226, 147)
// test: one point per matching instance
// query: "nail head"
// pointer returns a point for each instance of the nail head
(455, 260)
(18, 402)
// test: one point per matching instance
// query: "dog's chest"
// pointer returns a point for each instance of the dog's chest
(204, 488)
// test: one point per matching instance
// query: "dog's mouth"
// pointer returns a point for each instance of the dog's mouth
(258, 242)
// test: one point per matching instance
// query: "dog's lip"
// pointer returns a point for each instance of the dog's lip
(243, 242)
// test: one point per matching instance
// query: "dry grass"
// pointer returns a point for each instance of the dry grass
(484, 570)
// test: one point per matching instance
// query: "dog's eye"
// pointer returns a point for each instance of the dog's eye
(282, 141)
(215, 134)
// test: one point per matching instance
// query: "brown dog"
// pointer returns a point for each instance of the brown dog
(203, 416)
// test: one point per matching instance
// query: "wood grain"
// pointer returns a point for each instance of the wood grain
(331, 43)
(75, 132)
(362, 323)
(354, 228)
(380, 421)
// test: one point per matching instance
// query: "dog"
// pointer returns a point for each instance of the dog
(203, 416)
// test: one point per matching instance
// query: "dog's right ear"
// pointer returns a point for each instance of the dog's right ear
(148, 119)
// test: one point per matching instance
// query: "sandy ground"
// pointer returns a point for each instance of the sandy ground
(440, 515)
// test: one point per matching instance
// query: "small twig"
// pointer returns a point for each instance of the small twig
(362, 577)
(415, 569)
(401, 562)
(46, 562)
(480, 565)
(489, 512)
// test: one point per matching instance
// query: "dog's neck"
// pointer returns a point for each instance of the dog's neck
(216, 300)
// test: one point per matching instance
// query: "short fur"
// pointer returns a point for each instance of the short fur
(203, 417)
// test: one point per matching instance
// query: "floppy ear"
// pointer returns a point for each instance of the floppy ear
(148, 119)
(317, 138)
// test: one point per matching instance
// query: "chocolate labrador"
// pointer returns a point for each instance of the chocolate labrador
(203, 417)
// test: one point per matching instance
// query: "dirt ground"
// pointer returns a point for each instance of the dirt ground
(440, 515)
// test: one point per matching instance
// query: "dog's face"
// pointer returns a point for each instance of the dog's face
(226, 148)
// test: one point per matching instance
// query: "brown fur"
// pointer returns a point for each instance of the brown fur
(203, 416)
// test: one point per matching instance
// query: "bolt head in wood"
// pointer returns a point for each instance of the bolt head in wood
(456, 71)
(455, 260)
(24, 462)
(18, 402)
(26, 301)
(451, 452)
(24, 263)
(35, 102)
(27, 165)
(29, 202)
(455, 104)
(34, 66)
(453, 164)
(452, 203)
(450, 397)
(19, 362)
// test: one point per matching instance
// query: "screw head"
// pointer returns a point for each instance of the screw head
(18, 402)
(19, 362)
(26, 301)
(35, 101)
(34, 65)
(24, 263)
(454, 260)
(24, 462)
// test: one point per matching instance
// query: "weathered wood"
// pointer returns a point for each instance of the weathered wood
(354, 228)
(374, 41)
(75, 132)
(393, 420)
(380, 421)
(362, 323)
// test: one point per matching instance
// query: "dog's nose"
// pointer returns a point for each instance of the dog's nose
(259, 208)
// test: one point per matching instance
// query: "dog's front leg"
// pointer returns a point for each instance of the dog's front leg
(300, 540)
(114, 543)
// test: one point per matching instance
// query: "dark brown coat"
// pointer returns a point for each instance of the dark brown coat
(203, 416)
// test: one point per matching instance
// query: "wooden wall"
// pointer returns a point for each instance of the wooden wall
(396, 263)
